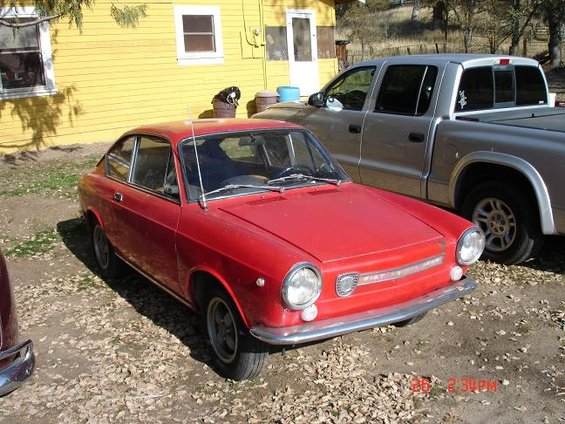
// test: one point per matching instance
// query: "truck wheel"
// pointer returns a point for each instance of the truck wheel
(509, 221)
(239, 356)
(111, 266)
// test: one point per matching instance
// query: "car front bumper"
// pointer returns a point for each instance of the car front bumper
(20, 364)
(332, 327)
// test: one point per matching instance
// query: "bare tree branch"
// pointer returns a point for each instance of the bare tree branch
(30, 23)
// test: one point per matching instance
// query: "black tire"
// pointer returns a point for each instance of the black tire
(509, 220)
(238, 355)
(110, 265)
(410, 321)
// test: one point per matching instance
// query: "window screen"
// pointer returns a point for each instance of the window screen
(406, 89)
(21, 65)
(277, 48)
(326, 42)
(198, 33)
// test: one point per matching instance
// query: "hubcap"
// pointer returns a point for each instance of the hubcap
(101, 249)
(497, 221)
(222, 330)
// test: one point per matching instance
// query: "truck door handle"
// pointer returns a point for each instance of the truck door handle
(416, 137)
(355, 129)
(118, 196)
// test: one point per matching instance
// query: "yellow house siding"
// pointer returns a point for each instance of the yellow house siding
(110, 79)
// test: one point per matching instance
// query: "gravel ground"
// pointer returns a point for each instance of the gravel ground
(123, 351)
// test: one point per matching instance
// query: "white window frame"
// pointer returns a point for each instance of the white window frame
(46, 56)
(198, 58)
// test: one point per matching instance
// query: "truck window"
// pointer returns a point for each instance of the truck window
(530, 86)
(406, 89)
(351, 88)
(503, 86)
(476, 90)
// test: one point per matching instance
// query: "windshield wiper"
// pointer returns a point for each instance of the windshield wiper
(230, 187)
(304, 177)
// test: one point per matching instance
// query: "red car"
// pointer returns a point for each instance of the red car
(17, 360)
(253, 224)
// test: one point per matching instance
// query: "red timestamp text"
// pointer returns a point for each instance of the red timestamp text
(456, 385)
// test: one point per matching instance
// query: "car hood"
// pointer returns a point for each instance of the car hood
(335, 223)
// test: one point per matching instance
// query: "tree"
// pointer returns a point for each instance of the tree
(468, 14)
(554, 14)
(48, 10)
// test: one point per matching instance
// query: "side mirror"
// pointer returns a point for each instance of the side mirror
(316, 99)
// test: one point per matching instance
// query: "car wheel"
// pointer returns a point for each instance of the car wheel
(410, 321)
(239, 356)
(111, 266)
(509, 221)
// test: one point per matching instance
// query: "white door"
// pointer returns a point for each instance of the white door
(302, 50)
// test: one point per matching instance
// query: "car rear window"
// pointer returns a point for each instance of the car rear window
(530, 86)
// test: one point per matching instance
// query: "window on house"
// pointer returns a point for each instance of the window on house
(277, 48)
(326, 42)
(198, 35)
(26, 67)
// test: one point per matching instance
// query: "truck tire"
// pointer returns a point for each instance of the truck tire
(509, 220)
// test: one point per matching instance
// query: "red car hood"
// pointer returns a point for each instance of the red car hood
(332, 223)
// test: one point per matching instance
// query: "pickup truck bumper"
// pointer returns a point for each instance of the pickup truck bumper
(324, 329)
(20, 362)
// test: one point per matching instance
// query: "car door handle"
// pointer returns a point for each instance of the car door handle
(118, 196)
(355, 129)
(416, 137)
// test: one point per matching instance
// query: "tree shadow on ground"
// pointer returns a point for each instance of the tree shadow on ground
(146, 298)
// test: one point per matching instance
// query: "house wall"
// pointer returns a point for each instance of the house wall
(110, 79)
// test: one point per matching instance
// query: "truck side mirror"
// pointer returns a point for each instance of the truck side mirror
(316, 99)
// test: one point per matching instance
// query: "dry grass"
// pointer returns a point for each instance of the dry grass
(395, 34)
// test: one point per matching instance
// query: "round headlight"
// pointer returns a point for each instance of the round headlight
(302, 286)
(470, 246)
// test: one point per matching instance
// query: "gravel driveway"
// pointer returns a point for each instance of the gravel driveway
(123, 351)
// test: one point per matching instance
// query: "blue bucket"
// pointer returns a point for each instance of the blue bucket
(288, 93)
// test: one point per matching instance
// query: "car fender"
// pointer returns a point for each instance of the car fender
(516, 163)
(221, 280)
(96, 215)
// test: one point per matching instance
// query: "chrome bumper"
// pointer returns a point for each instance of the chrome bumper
(19, 369)
(332, 327)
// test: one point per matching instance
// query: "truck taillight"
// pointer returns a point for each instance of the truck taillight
(503, 62)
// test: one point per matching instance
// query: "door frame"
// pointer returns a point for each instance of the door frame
(308, 82)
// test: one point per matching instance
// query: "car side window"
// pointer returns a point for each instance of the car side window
(351, 89)
(154, 168)
(118, 159)
(406, 89)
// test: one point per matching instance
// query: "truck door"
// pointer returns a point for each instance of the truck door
(339, 124)
(397, 129)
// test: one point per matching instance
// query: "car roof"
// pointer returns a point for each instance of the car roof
(177, 131)
(465, 59)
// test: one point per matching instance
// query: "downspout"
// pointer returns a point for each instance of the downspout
(263, 41)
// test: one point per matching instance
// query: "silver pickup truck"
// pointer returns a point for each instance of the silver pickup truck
(473, 133)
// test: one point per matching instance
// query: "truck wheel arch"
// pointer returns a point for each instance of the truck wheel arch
(504, 164)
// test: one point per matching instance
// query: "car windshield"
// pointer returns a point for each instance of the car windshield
(250, 162)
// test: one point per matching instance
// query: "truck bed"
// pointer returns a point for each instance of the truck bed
(547, 118)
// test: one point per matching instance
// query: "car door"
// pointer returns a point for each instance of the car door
(397, 131)
(147, 211)
(338, 124)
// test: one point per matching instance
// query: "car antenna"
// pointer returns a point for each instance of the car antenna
(202, 197)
